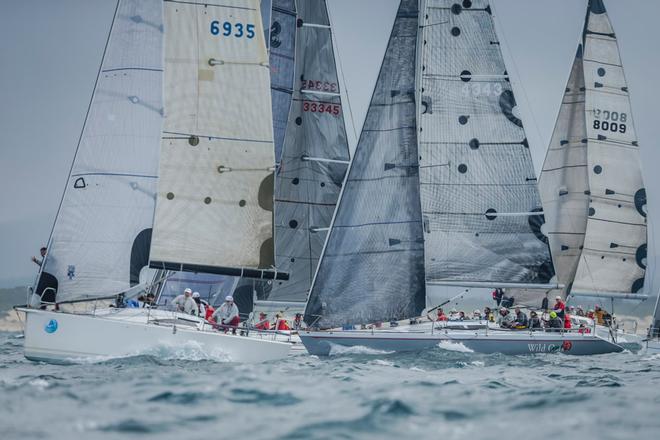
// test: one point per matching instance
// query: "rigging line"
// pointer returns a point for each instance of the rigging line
(75, 154)
(515, 68)
(343, 78)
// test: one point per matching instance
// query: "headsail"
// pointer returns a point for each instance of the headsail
(314, 158)
(372, 267)
(215, 188)
(591, 183)
(480, 203)
(100, 239)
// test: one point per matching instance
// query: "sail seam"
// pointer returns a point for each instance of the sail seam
(206, 3)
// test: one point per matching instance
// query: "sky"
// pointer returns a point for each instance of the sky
(51, 51)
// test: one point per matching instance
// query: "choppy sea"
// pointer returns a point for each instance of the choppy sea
(356, 394)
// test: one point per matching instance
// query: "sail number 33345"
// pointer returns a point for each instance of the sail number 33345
(227, 29)
(606, 120)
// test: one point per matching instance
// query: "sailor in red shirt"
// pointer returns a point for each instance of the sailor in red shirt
(263, 323)
(559, 307)
(441, 315)
(281, 322)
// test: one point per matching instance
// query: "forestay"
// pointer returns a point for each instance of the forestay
(372, 267)
(100, 239)
(603, 197)
(480, 203)
(314, 159)
(214, 206)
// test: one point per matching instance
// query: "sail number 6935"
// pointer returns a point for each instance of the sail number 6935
(228, 29)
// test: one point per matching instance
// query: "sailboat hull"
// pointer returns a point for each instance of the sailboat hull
(58, 337)
(323, 343)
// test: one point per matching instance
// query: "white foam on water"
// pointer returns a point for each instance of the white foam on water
(383, 362)
(336, 349)
(39, 384)
(454, 346)
(189, 351)
(417, 369)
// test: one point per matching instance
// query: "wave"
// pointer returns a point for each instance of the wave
(336, 349)
(189, 351)
(454, 346)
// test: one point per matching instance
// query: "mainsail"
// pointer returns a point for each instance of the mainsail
(591, 182)
(441, 188)
(480, 204)
(282, 44)
(315, 155)
(372, 267)
(215, 189)
(100, 239)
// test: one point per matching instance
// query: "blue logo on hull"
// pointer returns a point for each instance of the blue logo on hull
(51, 327)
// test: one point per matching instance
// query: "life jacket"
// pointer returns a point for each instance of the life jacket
(209, 312)
(282, 325)
(442, 317)
(263, 325)
(567, 321)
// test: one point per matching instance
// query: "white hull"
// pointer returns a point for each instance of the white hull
(58, 337)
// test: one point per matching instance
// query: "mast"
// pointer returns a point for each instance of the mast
(215, 189)
(100, 238)
(372, 265)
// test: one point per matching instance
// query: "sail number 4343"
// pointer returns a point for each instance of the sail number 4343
(227, 29)
(606, 120)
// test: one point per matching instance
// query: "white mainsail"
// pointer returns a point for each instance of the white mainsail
(100, 239)
(591, 182)
(215, 188)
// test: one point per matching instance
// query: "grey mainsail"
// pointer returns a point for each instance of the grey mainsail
(314, 158)
(479, 197)
(372, 268)
(100, 239)
(441, 189)
(591, 183)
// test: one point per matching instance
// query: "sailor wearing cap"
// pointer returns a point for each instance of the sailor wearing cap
(200, 308)
(227, 315)
(184, 303)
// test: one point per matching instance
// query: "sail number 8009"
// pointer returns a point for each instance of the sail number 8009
(606, 120)
(238, 30)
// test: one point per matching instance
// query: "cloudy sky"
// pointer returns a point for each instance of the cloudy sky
(51, 51)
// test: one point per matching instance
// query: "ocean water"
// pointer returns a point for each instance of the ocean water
(445, 393)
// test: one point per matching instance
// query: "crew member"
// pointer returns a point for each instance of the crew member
(264, 323)
(505, 320)
(200, 309)
(37, 261)
(227, 315)
(184, 303)
(559, 307)
(520, 319)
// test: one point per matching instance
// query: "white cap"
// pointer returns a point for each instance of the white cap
(557, 297)
(188, 290)
(229, 298)
(195, 294)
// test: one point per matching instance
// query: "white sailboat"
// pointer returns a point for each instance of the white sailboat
(591, 182)
(201, 111)
(445, 155)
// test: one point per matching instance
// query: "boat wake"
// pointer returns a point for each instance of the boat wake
(454, 346)
(341, 350)
(189, 351)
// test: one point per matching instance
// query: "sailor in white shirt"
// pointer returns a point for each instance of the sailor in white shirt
(184, 303)
(227, 314)
(200, 309)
